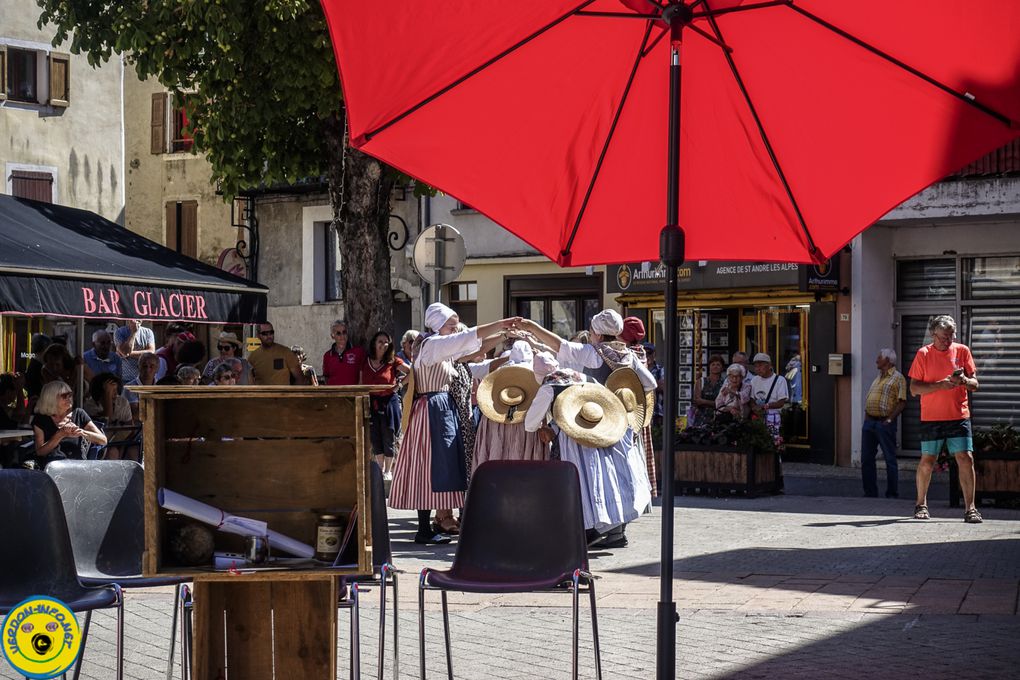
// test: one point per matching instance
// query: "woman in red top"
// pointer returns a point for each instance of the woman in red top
(382, 367)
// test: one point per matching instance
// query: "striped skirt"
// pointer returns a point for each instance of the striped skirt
(499, 441)
(648, 445)
(412, 478)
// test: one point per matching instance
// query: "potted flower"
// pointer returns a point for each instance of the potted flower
(727, 455)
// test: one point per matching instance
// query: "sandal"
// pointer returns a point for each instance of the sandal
(972, 516)
(921, 512)
(447, 525)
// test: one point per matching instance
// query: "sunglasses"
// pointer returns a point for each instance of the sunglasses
(224, 348)
(339, 332)
(267, 332)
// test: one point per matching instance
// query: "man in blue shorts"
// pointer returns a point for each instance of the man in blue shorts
(942, 374)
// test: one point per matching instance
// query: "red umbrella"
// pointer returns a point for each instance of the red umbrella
(800, 124)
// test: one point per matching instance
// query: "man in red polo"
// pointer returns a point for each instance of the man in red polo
(342, 366)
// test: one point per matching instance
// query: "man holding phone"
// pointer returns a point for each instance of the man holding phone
(941, 375)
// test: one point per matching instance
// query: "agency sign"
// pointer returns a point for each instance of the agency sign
(651, 277)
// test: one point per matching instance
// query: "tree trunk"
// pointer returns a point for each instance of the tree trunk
(360, 189)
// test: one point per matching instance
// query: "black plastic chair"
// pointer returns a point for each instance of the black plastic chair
(383, 574)
(523, 531)
(37, 558)
(103, 502)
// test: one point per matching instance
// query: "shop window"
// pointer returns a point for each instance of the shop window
(464, 301)
(563, 304)
(926, 280)
(993, 335)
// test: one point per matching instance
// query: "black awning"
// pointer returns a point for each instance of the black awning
(60, 261)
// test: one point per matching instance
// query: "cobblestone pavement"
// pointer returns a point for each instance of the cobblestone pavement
(787, 586)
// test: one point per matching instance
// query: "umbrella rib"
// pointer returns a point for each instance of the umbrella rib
(965, 97)
(609, 137)
(651, 46)
(813, 249)
(372, 133)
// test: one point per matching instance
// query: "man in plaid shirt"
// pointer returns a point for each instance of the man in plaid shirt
(886, 399)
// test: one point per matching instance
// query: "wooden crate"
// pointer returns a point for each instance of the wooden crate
(233, 635)
(275, 454)
(724, 469)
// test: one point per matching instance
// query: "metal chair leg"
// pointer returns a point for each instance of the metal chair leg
(595, 630)
(355, 634)
(173, 632)
(120, 632)
(186, 642)
(382, 622)
(446, 636)
(421, 624)
(396, 629)
(84, 639)
(573, 645)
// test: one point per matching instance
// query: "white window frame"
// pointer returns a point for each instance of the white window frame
(42, 72)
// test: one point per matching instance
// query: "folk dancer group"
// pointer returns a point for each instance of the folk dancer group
(588, 402)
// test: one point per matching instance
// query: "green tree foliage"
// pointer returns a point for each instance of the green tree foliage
(260, 81)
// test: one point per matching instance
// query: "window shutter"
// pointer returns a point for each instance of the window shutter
(171, 221)
(157, 142)
(60, 79)
(3, 72)
(189, 228)
(36, 186)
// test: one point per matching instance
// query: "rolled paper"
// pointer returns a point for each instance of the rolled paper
(232, 524)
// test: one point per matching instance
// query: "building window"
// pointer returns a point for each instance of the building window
(33, 185)
(182, 227)
(563, 304)
(181, 140)
(22, 76)
(168, 125)
(464, 301)
(35, 76)
(325, 263)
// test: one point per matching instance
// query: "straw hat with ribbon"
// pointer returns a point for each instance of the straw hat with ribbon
(625, 384)
(505, 394)
(591, 415)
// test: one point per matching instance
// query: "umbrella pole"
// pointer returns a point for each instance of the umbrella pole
(671, 247)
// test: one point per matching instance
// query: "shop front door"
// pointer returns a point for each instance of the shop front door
(782, 333)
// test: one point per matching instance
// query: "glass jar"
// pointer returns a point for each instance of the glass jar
(328, 534)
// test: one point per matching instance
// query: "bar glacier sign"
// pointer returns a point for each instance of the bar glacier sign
(145, 304)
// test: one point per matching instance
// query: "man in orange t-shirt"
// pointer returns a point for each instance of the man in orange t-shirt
(942, 374)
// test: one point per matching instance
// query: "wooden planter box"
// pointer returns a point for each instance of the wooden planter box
(276, 454)
(724, 469)
(998, 477)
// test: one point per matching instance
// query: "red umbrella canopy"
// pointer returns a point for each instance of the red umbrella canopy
(801, 122)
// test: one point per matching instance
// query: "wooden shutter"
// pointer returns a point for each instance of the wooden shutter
(189, 228)
(3, 72)
(157, 143)
(171, 222)
(182, 227)
(37, 186)
(60, 79)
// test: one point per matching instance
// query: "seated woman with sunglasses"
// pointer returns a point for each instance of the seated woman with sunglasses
(61, 430)
(230, 348)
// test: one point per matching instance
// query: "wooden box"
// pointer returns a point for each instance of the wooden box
(724, 469)
(997, 477)
(280, 628)
(276, 454)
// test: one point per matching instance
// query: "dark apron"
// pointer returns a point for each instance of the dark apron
(449, 469)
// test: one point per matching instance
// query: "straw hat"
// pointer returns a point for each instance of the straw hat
(591, 415)
(625, 384)
(505, 394)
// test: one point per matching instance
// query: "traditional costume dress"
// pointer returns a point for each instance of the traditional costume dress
(499, 440)
(633, 333)
(609, 495)
(431, 467)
